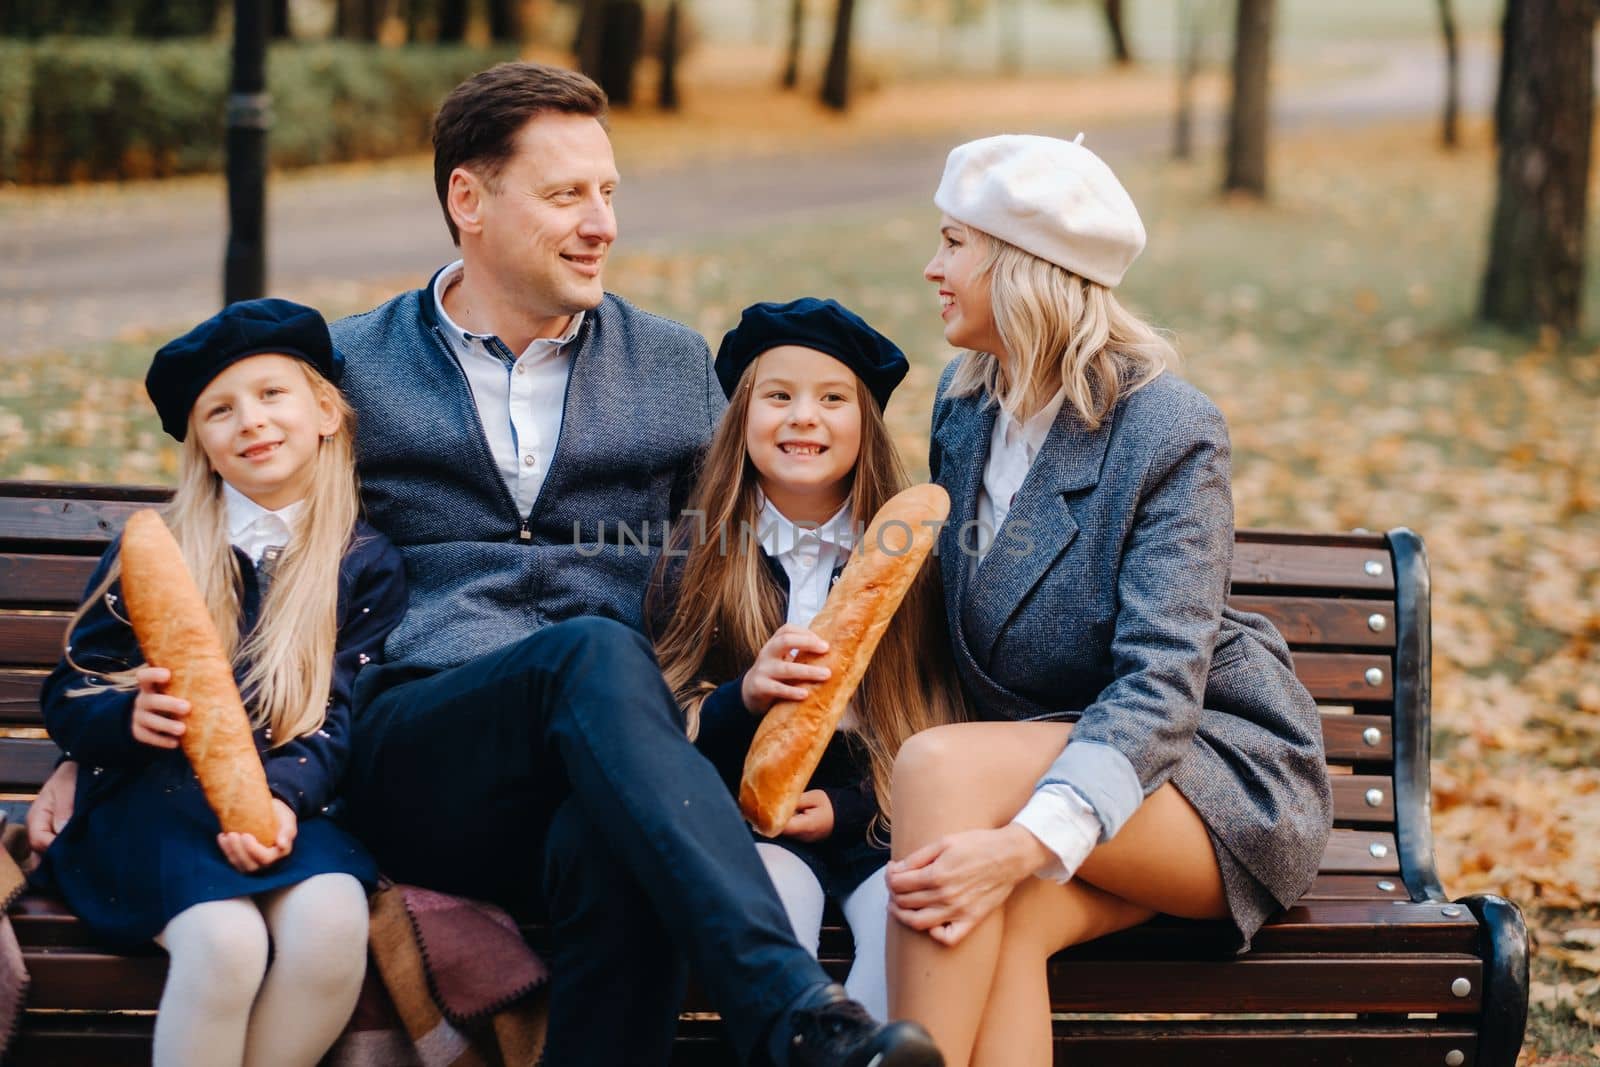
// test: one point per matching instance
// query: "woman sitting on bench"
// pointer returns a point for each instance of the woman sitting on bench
(1086, 566)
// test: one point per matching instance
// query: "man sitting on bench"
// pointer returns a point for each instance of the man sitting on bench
(519, 744)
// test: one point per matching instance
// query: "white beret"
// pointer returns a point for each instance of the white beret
(1053, 198)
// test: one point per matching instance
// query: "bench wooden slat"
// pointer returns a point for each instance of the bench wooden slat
(1345, 738)
(1356, 887)
(1311, 567)
(94, 981)
(31, 640)
(1305, 620)
(1338, 676)
(39, 582)
(1353, 852)
(64, 525)
(1366, 798)
(25, 763)
(1312, 1043)
(1260, 983)
(47, 1040)
(19, 697)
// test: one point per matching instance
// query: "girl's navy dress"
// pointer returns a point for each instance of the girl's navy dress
(842, 860)
(141, 845)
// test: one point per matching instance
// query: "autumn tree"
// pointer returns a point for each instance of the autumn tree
(1120, 53)
(1448, 134)
(1250, 109)
(791, 62)
(1543, 127)
(836, 76)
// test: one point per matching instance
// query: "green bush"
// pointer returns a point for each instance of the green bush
(77, 109)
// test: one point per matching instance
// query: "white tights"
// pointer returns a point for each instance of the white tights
(223, 1006)
(866, 909)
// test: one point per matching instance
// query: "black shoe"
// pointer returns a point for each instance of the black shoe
(840, 1033)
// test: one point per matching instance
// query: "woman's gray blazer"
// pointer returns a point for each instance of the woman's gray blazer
(1103, 599)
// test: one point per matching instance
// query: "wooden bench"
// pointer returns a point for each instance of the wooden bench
(1375, 965)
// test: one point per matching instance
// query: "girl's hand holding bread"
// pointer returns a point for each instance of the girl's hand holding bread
(249, 855)
(776, 676)
(157, 717)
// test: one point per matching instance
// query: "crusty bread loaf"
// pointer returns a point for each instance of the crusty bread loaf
(791, 738)
(175, 631)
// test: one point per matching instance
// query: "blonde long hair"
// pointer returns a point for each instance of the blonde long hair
(1066, 336)
(728, 603)
(290, 651)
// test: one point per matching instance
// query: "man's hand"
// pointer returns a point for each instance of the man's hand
(776, 676)
(157, 717)
(812, 819)
(53, 806)
(948, 887)
(249, 855)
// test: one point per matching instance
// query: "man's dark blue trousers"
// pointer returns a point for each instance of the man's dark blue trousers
(553, 777)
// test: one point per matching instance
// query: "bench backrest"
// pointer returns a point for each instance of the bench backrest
(1354, 608)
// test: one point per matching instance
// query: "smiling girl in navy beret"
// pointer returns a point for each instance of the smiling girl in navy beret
(302, 593)
(801, 461)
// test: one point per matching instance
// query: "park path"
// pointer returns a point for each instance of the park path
(90, 265)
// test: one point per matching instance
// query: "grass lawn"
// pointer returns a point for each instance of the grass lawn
(1332, 326)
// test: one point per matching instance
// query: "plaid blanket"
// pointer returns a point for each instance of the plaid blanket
(458, 987)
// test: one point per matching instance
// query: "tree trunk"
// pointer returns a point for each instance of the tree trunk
(1448, 134)
(1534, 278)
(1119, 38)
(1250, 109)
(836, 79)
(791, 63)
(452, 20)
(667, 92)
(358, 20)
(1189, 36)
(610, 39)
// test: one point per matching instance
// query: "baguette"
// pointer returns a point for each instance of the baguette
(175, 631)
(791, 738)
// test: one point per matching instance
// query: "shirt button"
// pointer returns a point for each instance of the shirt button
(529, 460)
(521, 369)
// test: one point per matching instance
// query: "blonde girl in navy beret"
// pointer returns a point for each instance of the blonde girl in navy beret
(302, 593)
(801, 460)
(1145, 748)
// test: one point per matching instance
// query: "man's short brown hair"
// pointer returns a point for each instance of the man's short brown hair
(478, 122)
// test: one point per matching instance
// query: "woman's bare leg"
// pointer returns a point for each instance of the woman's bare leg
(979, 775)
(953, 778)
(1041, 918)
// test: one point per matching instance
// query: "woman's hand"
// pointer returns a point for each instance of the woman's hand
(947, 887)
(53, 806)
(249, 855)
(776, 676)
(812, 819)
(157, 717)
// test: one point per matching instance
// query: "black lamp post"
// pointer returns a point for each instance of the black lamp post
(249, 115)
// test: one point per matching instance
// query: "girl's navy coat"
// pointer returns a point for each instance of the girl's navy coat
(1104, 600)
(842, 860)
(141, 844)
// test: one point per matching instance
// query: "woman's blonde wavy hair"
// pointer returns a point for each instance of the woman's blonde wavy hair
(728, 603)
(290, 651)
(1067, 336)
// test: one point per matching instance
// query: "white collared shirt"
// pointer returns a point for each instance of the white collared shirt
(809, 555)
(1013, 446)
(519, 398)
(252, 528)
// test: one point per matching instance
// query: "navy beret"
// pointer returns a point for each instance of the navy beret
(184, 366)
(824, 325)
